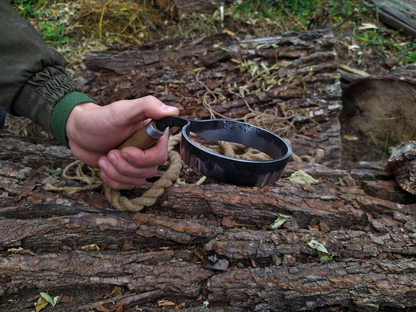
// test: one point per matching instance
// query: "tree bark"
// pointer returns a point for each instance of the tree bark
(81, 248)
(219, 76)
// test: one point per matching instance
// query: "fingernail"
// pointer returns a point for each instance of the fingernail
(126, 157)
(168, 108)
(113, 159)
(103, 164)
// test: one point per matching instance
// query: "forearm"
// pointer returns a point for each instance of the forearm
(33, 79)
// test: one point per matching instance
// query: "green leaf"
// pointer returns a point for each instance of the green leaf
(51, 171)
(322, 252)
(301, 177)
(53, 301)
(44, 299)
(278, 222)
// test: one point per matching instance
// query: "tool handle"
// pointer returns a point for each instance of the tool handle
(144, 138)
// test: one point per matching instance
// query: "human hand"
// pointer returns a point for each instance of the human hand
(94, 132)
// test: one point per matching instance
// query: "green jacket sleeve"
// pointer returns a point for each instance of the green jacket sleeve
(33, 79)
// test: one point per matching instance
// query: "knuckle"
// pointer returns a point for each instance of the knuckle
(123, 170)
(150, 98)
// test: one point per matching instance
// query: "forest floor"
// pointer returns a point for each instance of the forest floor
(363, 42)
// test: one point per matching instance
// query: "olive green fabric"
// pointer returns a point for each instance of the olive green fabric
(33, 78)
(61, 112)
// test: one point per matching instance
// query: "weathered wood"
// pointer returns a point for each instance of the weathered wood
(294, 72)
(398, 14)
(403, 165)
(81, 248)
(381, 108)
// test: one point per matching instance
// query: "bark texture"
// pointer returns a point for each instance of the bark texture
(294, 74)
(169, 256)
(211, 244)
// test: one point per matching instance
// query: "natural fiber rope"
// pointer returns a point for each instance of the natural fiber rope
(269, 120)
(149, 197)
(93, 182)
(119, 202)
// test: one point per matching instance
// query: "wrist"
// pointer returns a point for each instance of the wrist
(61, 112)
(74, 121)
(81, 108)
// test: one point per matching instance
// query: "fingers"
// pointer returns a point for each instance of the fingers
(120, 186)
(152, 108)
(131, 166)
(129, 112)
(154, 156)
(119, 173)
(94, 131)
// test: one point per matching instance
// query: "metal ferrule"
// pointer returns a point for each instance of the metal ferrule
(153, 131)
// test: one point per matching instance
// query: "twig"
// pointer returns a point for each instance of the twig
(353, 70)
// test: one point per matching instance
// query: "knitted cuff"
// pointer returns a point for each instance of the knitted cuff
(61, 113)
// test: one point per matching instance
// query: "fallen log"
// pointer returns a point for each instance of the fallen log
(397, 14)
(381, 109)
(293, 78)
(80, 248)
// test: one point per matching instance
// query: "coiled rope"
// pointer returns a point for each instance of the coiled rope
(118, 201)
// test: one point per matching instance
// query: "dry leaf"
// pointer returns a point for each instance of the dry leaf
(312, 133)
(41, 304)
(350, 137)
(165, 303)
(278, 222)
(16, 250)
(99, 307)
(116, 292)
(30, 183)
(301, 177)
(180, 306)
(44, 300)
(119, 308)
(90, 247)
(229, 32)
(365, 26)
(322, 252)
(20, 251)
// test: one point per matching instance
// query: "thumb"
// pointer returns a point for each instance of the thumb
(137, 110)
